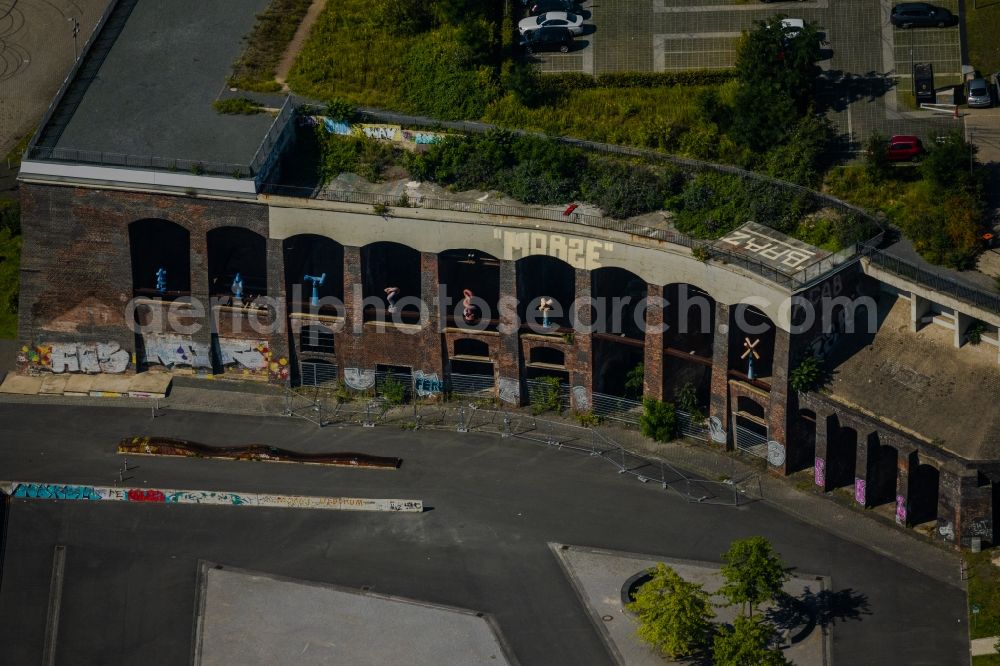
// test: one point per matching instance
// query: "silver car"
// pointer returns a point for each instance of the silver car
(978, 94)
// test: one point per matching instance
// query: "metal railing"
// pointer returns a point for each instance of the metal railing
(314, 373)
(964, 292)
(538, 392)
(320, 407)
(616, 408)
(471, 385)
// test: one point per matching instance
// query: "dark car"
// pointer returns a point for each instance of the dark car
(920, 14)
(904, 147)
(548, 39)
(536, 7)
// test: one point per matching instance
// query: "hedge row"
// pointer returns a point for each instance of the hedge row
(579, 80)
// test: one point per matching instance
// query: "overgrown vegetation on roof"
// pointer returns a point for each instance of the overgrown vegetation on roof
(275, 27)
(10, 261)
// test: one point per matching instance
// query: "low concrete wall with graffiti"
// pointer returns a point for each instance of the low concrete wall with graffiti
(55, 491)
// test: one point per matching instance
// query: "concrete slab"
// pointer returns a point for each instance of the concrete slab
(20, 384)
(599, 575)
(920, 383)
(149, 385)
(254, 618)
(79, 385)
(110, 385)
(53, 384)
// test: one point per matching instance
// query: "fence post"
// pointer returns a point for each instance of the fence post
(506, 426)
(462, 425)
(368, 423)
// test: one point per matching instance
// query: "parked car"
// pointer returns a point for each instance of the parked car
(977, 94)
(793, 26)
(920, 15)
(904, 147)
(548, 39)
(536, 7)
(574, 22)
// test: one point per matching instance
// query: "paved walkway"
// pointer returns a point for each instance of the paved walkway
(984, 646)
(861, 527)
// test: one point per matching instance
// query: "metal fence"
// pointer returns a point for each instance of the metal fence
(964, 292)
(320, 406)
(314, 373)
(471, 385)
(750, 441)
(539, 392)
(689, 427)
(616, 409)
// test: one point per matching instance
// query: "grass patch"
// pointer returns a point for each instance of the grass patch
(982, 26)
(266, 44)
(243, 106)
(986, 659)
(10, 262)
(984, 592)
(13, 159)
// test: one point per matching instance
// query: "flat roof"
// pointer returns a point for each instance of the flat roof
(152, 93)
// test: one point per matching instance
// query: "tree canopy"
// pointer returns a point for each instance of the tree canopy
(749, 642)
(754, 573)
(674, 615)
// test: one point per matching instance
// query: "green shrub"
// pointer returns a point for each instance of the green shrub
(808, 375)
(588, 419)
(877, 164)
(393, 391)
(947, 163)
(237, 106)
(686, 399)
(366, 157)
(10, 259)
(545, 397)
(974, 333)
(271, 35)
(635, 382)
(658, 420)
(623, 190)
(340, 109)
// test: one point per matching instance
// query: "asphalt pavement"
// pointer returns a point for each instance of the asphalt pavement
(496, 503)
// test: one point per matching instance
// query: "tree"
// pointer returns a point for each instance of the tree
(948, 162)
(777, 72)
(658, 420)
(877, 164)
(753, 571)
(674, 615)
(748, 643)
(635, 380)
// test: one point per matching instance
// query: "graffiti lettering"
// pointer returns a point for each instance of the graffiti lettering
(580, 400)
(717, 432)
(819, 472)
(859, 490)
(358, 379)
(51, 491)
(577, 252)
(982, 527)
(92, 359)
(427, 384)
(175, 350)
(901, 509)
(140, 495)
(381, 132)
(947, 531)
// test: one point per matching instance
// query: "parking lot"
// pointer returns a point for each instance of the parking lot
(868, 61)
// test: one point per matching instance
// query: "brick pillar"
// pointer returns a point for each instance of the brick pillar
(581, 374)
(652, 383)
(865, 459)
(508, 365)
(822, 437)
(279, 338)
(905, 464)
(431, 333)
(202, 338)
(350, 341)
(719, 407)
(968, 501)
(777, 408)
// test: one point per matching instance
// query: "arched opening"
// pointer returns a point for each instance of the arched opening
(541, 276)
(316, 339)
(618, 367)
(161, 259)
(924, 483)
(883, 461)
(841, 454)
(547, 356)
(618, 341)
(688, 338)
(751, 343)
(471, 368)
(470, 347)
(385, 267)
(477, 273)
(689, 317)
(316, 257)
(750, 427)
(803, 451)
(232, 252)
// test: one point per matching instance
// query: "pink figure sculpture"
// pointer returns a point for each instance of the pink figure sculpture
(468, 309)
(391, 293)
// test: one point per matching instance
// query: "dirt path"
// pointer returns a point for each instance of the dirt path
(298, 40)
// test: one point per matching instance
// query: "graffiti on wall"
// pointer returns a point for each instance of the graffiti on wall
(26, 490)
(900, 509)
(947, 531)
(859, 490)
(175, 351)
(427, 383)
(819, 472)
(580, 399)
(981, 527)
(358, 379)
(775, 453)
(510, 390)
(716, 430)
(82, 357)
(577, 252)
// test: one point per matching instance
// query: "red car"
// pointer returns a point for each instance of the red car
(904, 147)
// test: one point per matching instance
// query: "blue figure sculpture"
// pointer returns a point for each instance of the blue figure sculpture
(750, 354)
(316, 282)
(545, 306)
(161, 280)
(237, 289)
